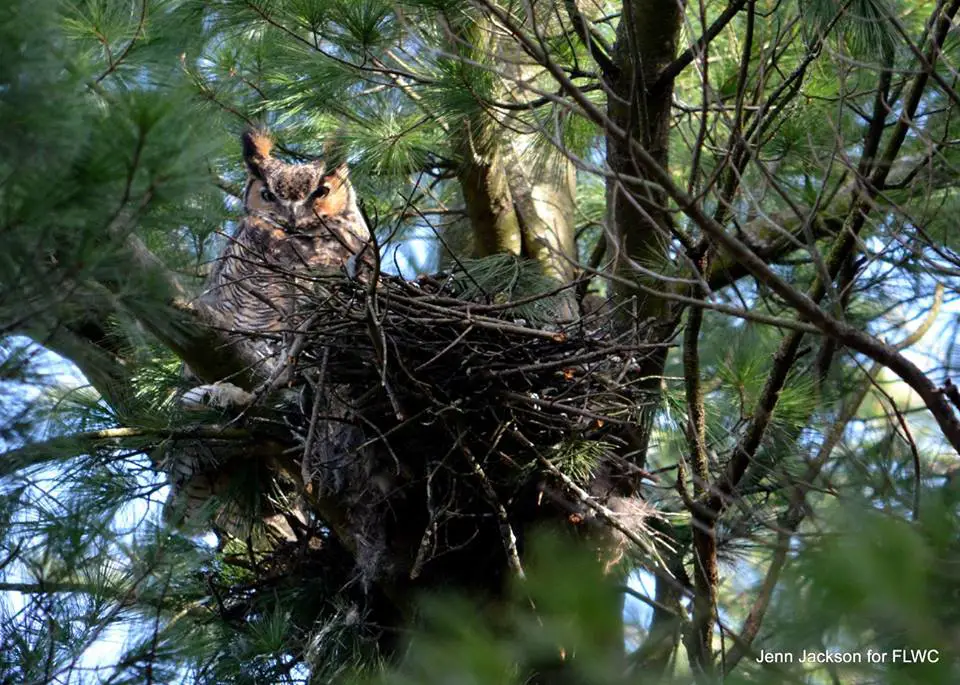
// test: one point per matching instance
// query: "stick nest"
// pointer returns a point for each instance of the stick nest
(471, 356)
(442, 417)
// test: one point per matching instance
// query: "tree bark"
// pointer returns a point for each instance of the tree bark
(638, 222)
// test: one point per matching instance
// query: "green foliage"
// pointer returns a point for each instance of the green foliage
(557, 622)
(118, 120)
(865, 24)
(459, 92)
(579, 459)
(387, 144)
(366, 24)
(847, 595)
(878, 583)
(502, 279)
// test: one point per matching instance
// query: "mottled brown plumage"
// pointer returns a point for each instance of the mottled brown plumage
(300, 220)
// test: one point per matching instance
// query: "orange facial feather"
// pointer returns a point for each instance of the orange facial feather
(337, 200)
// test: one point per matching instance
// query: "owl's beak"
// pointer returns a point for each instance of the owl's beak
(290, 221)
(294, 220)
(300, 218)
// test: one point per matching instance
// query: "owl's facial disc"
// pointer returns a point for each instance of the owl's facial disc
(297, 209)
(298, 198)
(260, 199)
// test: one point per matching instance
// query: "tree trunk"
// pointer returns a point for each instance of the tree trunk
(638, 223)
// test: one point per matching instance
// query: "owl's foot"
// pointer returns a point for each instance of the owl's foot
(216, 396)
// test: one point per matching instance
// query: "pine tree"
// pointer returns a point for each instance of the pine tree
(753, 198)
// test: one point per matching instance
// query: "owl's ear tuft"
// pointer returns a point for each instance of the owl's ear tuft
(257, 145)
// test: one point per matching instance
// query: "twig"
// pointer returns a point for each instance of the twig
(507, 535)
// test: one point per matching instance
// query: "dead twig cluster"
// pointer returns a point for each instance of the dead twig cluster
(450, 411)
(430, 352)
(444, 415)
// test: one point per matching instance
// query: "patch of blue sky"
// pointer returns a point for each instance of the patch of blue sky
(638, 607)
(44, 488)
(411, 255)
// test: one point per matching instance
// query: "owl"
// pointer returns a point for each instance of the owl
(299, 219)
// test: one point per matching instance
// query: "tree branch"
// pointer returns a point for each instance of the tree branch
(38, 453)
(593, 41)
(672, 70)
(858, 340)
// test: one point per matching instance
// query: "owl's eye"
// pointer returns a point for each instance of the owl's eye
(322, 191)
(266, 195)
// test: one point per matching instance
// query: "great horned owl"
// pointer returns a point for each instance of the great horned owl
(299, 219)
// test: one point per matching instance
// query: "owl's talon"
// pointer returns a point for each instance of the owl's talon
(216, 396)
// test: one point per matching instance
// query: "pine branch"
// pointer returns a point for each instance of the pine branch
(863, 194)
(844, 333)
(115, 62)
(671, 71)
(789, 521)
(39, 453)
